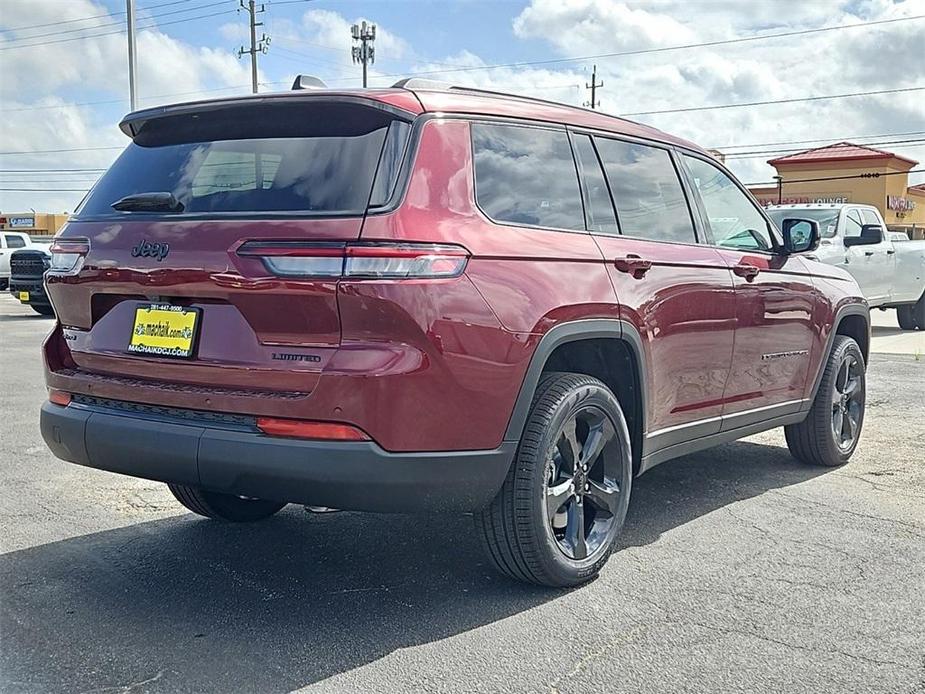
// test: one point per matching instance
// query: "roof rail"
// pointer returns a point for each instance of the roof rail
(308, 82)
(420, 83)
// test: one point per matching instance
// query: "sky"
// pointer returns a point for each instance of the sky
(64, 75)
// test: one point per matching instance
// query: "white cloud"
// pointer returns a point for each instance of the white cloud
(575, 26)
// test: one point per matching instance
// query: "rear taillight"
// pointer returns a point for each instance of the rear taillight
(66, 253)
(359, 260)
(300, 429)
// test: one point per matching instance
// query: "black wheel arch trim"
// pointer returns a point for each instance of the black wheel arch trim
(852, 309)
(575, 331)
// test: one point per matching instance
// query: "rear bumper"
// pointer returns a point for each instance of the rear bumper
(235, 460)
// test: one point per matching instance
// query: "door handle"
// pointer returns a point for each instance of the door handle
(749, 272)
(890, 252)
(868, 253)
(633, 265)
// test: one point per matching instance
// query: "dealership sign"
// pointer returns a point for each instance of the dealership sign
(899, 204)
(21, 222)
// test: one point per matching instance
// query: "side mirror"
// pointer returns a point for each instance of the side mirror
(800, 235)
(870, 234)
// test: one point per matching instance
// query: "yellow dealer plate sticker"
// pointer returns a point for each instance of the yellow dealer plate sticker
(24, 296)
(163, 330)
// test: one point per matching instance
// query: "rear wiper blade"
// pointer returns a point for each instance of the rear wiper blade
(148, 202)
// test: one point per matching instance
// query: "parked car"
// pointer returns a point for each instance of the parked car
(890, 271)
(436, 299)
(27, 269)
(9, 242)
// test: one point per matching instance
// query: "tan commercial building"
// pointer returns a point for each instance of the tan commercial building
(846, 172)
(32, 223)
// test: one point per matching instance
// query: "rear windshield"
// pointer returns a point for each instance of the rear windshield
(317, 160)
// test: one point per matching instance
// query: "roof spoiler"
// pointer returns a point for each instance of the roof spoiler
(308, 82)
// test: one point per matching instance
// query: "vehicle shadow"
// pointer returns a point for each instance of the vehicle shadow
(200, 606)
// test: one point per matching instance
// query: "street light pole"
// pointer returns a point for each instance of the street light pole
(130, 26)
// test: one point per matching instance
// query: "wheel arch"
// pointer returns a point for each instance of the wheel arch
(851, 320)
(607, 349)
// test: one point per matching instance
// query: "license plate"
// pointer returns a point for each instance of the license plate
(162, 330)
(24, 297)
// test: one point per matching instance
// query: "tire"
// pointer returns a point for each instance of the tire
(553, 522)
(44, 310)
(226, 507)
(906, 317)
(817, 440)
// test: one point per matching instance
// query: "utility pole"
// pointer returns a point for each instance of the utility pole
(260, 46)
(365, 52)
(594, 103)
(780, 188)
(130, 26)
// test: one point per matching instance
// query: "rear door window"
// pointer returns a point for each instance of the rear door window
(646, 191)
(526, 175)
(311, 159)
(15, 241)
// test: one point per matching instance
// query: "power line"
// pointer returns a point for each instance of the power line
(97, 16)
(113, 33)
(766, 152)
(44, 190)
(705, 44)
(871, 174)
(119, 24)
(824, 139)
(2, 171)
(115, 101)
(57, 151)
(773, 101)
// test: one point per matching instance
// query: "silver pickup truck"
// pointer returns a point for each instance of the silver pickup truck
(891, 272)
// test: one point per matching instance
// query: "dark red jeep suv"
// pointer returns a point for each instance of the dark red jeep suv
(428, 298)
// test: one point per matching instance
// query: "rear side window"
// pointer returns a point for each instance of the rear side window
(312, 159)
(526, 176)
(15, 242)
(647, 191)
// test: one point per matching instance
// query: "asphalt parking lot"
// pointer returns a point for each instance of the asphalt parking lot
(739, 570)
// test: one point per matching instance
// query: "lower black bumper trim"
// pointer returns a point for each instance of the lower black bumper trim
(348, 475)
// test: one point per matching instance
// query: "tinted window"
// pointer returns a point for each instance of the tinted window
(853, 223)
(598, 207)
(311, 159)
(15, 242)
(647, 192)
(734, 219)
(526, 176)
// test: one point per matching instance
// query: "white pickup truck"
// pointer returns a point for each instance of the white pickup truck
(9, 242)
(891, 273)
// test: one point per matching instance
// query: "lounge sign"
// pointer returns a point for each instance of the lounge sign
(899, 204)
